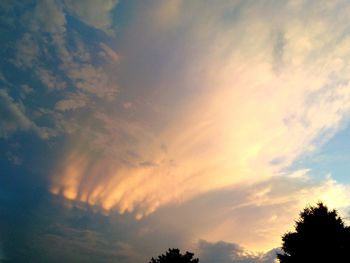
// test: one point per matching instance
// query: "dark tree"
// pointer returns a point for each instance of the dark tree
(320, 236)
(174, 256)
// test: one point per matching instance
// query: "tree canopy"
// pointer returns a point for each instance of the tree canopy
(174, 256)
(320, 236)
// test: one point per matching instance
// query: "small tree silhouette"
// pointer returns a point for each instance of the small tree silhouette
(174, 256)
(320, 236)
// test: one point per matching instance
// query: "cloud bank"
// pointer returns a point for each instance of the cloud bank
(184, 118)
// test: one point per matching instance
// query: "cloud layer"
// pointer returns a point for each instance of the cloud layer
(252, 90)
(182, 121)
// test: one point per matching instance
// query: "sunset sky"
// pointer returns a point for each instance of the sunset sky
(129, 127)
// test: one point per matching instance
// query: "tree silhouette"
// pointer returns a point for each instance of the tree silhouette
(320, 236)
(174, 256)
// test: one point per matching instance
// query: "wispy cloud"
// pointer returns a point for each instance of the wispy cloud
(254, 216)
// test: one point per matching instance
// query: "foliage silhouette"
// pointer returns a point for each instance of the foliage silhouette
(174, 256)
(320, 236)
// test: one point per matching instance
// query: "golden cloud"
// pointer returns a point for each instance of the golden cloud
(267, 92)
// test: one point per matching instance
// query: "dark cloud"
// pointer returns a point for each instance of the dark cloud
(35, 227)
(224, 252)
(38, 227)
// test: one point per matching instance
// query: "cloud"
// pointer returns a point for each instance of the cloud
(249, 219)
(27, 51)
(49, 17)
(26, 91)
(182, 108)
(74, 60)
(14, 117)
(91, 245)
(72, 70)
(255, 216)
(93, 80)
(216, 100)
(95, 14)
(52, 232)
(51, 81)
(232, 253)
(73, 102)
(109, 54)
(271, 208)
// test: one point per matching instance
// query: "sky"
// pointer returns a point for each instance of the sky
(131, 127)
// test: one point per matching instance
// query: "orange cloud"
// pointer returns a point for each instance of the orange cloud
(262, 100)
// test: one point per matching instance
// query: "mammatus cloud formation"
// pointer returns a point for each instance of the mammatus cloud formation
(258, 89)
